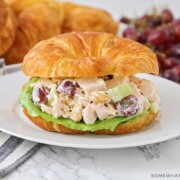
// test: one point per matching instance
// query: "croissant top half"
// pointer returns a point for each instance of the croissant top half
(88, 54)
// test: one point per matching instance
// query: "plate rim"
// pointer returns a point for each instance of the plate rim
(73, 145)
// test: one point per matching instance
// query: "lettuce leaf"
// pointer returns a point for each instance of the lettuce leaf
(108, 124)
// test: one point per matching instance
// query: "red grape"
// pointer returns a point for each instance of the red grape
(144, 35)
(175, 50)
(158, 36)
(67, 88)
(165, 47)
(154, 22)
(177, 32)
(171, 62)
(128, 106)
(39, 95)
(176, 22)
(177, 69)
(131, 33)
(166, 15)
(171, 74)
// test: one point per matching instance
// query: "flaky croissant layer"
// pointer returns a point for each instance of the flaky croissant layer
(88, 54)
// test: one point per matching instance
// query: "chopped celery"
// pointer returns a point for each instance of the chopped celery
(119, 92)
(51, 94)
(154, 107)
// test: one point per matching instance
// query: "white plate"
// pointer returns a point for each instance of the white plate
(13, 121)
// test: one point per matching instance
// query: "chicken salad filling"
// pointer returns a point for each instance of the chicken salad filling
(97, 98)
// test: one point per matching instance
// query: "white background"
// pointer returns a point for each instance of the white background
(131, 7)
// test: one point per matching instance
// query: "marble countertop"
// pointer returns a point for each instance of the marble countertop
(145, 162)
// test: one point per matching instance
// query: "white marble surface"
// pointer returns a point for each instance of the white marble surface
(58, 163)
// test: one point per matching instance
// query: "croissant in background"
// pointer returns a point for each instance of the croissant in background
(18, 5)
(42, 19)
(8, 27)
(82, 18)
(37, 22)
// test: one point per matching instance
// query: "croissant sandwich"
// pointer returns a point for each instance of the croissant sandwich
(85, 83)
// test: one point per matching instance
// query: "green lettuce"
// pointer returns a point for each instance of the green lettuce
(108, 124)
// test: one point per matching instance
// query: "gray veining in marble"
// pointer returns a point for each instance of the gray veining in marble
(150, 151)
(60, 163)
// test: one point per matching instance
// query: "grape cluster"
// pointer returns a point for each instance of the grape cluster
(161, 33)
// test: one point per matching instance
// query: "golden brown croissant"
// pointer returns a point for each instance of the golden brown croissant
(68, 54)
(83, 18)
(18, 5)
(37, 22)
(8, 26)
